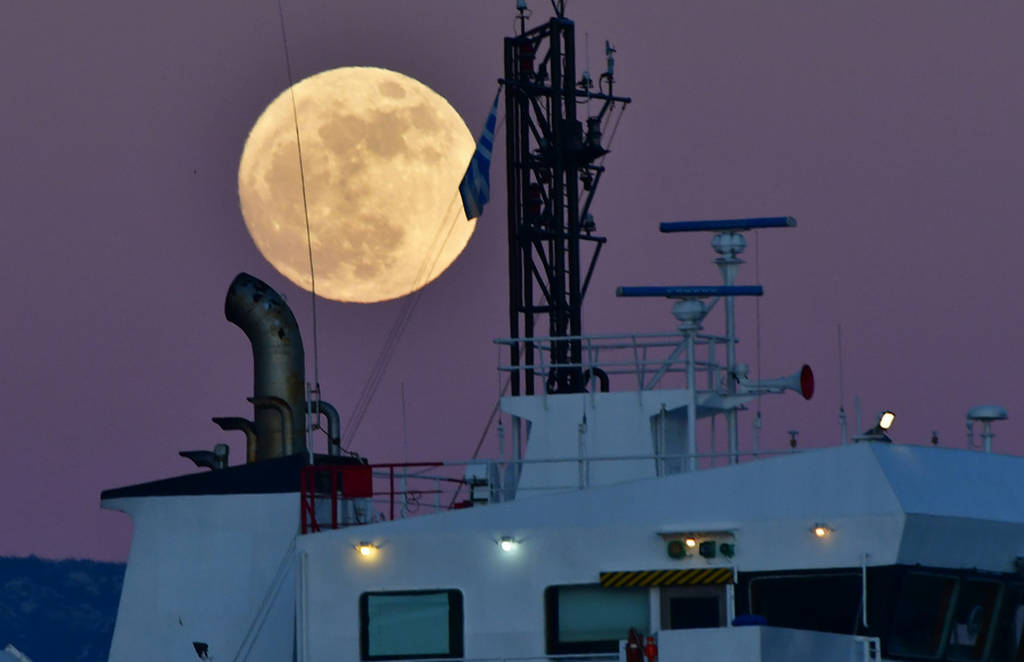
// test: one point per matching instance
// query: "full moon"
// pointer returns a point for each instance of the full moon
(382, 158)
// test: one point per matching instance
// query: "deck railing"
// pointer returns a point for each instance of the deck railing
(648, 357)
(336, 496)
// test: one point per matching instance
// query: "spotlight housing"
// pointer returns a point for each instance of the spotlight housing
(878, 431)
(508, 543)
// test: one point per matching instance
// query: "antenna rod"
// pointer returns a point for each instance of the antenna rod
(305, 201)
(842, 412)
(405, 469)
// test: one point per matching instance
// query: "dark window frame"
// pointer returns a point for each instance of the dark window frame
(1005, 643)
(667, 593)
(991, 625)
(837, 573)
(456, 626)
(943, 634)
(556, 647)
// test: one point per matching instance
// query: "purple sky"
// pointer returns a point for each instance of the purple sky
(890, 130)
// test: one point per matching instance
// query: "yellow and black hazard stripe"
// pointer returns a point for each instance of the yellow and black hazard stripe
(666, 577)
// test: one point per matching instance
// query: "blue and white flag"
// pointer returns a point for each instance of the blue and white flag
(476, 183)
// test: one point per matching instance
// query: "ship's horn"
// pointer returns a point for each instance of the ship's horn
(278, 364)
(802, 381)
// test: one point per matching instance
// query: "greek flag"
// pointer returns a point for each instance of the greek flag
(476, 183)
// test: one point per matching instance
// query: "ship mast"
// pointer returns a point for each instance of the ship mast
(552, 173)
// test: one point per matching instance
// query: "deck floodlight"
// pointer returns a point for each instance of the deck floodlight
(508, 543)
(878, 431)
(821, 530)
(366, 549)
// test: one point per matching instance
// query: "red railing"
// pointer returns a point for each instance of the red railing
(338, 483)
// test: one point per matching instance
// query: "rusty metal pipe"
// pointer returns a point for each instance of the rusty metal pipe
(245, 425)
(285, 414)
(278, 364)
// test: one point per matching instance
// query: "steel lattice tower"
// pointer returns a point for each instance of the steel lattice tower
(552, 178)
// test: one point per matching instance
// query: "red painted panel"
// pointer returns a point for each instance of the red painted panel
(357, 482)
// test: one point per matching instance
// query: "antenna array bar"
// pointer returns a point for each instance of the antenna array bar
(733, 225)
(691, 291)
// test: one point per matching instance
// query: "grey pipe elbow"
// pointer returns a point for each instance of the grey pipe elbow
(333, 424)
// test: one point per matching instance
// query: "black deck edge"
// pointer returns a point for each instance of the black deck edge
(277, 476)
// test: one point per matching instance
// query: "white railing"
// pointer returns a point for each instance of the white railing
(871, 648)
(533, 658)
(410, 489)
(647, 356)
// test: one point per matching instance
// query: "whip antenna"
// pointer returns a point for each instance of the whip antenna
(315, 392)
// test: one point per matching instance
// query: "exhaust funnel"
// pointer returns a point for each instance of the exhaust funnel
(278, 365)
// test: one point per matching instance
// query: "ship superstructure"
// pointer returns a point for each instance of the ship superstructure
(606, 529)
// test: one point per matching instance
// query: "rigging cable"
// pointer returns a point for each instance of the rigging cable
(390, 342)
(496, 411)
(611, 138)
(305, 206)
(757, 324)
(398, 327)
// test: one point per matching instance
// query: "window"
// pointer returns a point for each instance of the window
(1007, 641)
(826, 602)
(410, 624)
(692, 607)
(591, 619)
(920, 615)
(972, 619)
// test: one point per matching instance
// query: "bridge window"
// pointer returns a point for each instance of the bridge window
(1008, 639)
(826, 602)
(410, 624)
(920, 614)
(972, 619)
(591, 619)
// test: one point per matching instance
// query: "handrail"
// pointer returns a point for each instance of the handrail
(530, 658)
(606, 336)
(410, 498)
(649, 356)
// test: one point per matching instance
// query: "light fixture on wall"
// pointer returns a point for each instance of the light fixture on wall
(367, 549)
(508, 543)
(821, 530)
